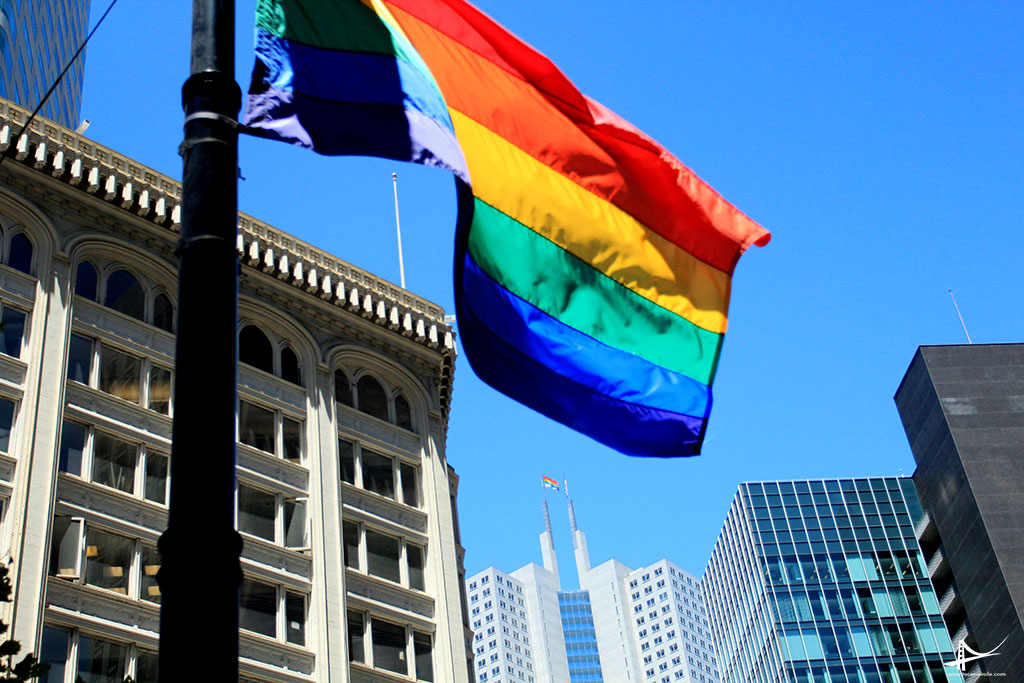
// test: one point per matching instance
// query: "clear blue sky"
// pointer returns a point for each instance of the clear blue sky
(881, 143)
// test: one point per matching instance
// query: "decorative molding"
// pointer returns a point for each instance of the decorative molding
(271, 467)
(130, 334)
(118, 415)
(369, 507)
(88, 603)
(383, 597)
(291, 658)
(117, 180)
(114, 510)
(362, 426)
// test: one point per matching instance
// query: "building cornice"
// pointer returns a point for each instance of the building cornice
(80, 163)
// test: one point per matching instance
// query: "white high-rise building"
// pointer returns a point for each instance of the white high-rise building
(647, 625)
(352, 564)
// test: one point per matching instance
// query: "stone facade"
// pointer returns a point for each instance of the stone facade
(352, 560)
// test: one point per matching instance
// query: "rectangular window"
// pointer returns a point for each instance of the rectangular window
(424, 658)
(159, 389)
(54, 651)
(295, 617)
(291, 434)
(65, 551)
(356, 649)
(113, 462)
(72, 443)
(382, 554)
(295, 524)
(108, 560)
(120, 374)
(414, 555)
(378, 474)
(350, 530)
(145, 667)
(149, 589)
(6, 424)
(388, 646)
(258, 609)
(79, 359)
(410, 485)
(256, 512)
(347, 456)
(256, 426)
(12, 330)
(100, 661)
(156, 477)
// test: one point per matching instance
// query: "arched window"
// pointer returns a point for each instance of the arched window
(403, 414)
(254, 349)
(372, 399)
(163, 312)
(20, 255)
(125, 294)
(85, 281)
(290, 366)
(342, 388)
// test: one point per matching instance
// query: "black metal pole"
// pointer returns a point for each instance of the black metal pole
(200, 573)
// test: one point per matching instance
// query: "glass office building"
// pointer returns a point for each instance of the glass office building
(37, 39)
(580, 637)
(824, 581)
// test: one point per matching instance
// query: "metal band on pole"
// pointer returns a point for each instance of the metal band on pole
(200, 574)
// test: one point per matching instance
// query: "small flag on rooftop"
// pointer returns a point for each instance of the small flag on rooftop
(549, 483)
(592, 268)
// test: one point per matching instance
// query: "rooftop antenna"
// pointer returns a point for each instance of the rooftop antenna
(959, 315)
(398, 228)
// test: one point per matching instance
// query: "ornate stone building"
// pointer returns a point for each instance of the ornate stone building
(352, 561)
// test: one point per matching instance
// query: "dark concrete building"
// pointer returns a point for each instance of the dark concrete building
(963, 411)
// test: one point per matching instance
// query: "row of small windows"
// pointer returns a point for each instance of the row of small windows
(368, 395)
(381, 644)
(121, 291)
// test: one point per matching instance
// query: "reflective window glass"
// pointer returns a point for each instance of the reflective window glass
(403, 413)
(372, 399)
(290, 367)
(53, 650)
(410, 485)
(342, 388)
(256, 426)
(424, 658)
(256, 512)
(378, 474)
(120, 374)
(79, 358)
(295, 617)
(6, 423)
(113, 462)
(291, 434)
(20, 255)
(100, 661)
(108, 560)
(72, 443)
(85, 281)
(414, 556)
(156, 477)
(125, 294)
(258, 608)
(12, 330)
(254, 349)
(388, 646)
(382, 554)
(347, 456)
(350, 530)
(356, 649)
(163, 313)
(159, 389)
(149, 589)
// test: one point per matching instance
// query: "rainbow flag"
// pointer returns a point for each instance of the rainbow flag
(592, 269)
(548, 482)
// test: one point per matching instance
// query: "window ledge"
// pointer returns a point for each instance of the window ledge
(134, 335)
(107, 411)
(94, 603)
(361, 673)
(110, 507)
(13, 371)
(264, 651)
(382, 596)
(277, 563)
(274, 468)
(375, 507)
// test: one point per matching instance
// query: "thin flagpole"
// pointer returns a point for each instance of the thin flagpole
(200, 574)
(398, 228)
(960, 316)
